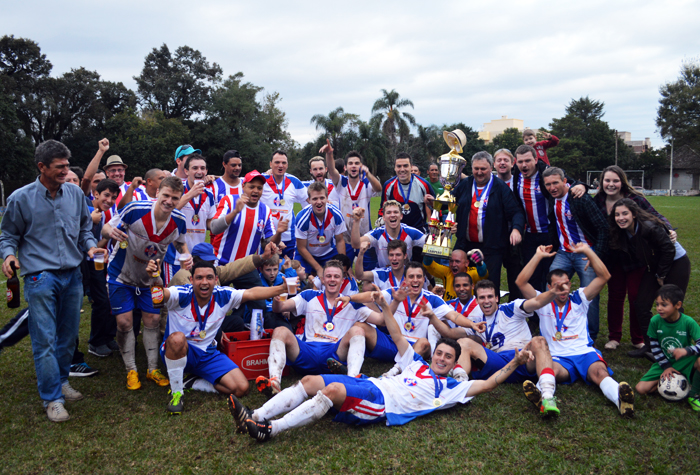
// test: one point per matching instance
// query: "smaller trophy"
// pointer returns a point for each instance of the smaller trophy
(439, 241)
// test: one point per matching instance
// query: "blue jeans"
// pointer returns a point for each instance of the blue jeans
(570, 262)
(54, 299)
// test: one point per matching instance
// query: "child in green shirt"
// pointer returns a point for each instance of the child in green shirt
(675, 344)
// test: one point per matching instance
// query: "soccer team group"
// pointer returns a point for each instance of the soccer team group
(301, 271)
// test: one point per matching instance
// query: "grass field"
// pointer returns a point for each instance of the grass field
(118, 431)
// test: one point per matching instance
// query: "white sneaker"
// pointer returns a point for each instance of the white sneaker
(612, 345)
(56, 412)
(69, 393)
(638, 345)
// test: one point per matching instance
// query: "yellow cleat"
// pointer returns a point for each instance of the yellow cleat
(157, 377)
(132, 380)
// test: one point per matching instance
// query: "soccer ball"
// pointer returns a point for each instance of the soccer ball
(674, 389)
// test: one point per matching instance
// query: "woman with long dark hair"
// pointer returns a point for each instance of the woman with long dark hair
(623, 283)
(642, 242)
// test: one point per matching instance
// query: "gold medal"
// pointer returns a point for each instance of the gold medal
(477, 204)
(282, 202)
(558, 336)
(408, 326)
(437, 402)
(202, 334)
(329, 326)
(124, 244)
(407, 207)
(322, 239)
(489, 345)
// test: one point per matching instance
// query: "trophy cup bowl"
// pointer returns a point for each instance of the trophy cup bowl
(451, 166)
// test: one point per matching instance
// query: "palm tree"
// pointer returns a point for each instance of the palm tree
(371, 144)
(394, 122)
(334, 123)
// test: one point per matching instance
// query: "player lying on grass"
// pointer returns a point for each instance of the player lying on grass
(564, 324)
(675, 344)
(418, 390)
(195, 313)
(506, 330)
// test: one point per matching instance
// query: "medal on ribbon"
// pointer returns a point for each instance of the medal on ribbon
(405, 196)
(489, 331)
(437, 402)
(559, 318)
(328, 326)
(321, 227)
(409, 325)
(276, 189)
(202, 319)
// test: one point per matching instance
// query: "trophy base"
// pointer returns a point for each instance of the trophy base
(436, 251)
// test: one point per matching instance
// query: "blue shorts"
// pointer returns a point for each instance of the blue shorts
(578, 365)
(384, 350)
(320, 259)
(350, 252)
(370, 261)
(364, 401)
(313, 355)
(124, 298)
(211, 365)
(290, 249)
(496, 361)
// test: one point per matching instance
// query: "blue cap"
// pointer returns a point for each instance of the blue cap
(204, 251)
(183, 150)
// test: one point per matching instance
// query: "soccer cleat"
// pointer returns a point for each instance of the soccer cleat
(132, 380)
(82, 370)
(188, 382)
(626, 396)
(336, 367)
(157, 377)
(240, 414)
(548, 407)
(532, 393)
(69, 393)
(175, 406)
(268, 386)
(56, 412)
(694, 402)
(260, 431)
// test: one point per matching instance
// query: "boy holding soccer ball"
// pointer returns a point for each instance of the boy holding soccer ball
(675, 344)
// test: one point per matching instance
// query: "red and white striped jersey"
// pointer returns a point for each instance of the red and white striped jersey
(568, 230)
(534, 203)
(243, 236)
(220, 189)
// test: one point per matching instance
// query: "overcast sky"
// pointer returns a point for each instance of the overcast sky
(457, 61)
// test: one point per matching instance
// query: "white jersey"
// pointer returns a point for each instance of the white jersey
(145, 242)
(412, 393)
(357, 197)
(280, 199)
(314, 230)
(471, 310)
(332, 194)
(416, 326)
(379, 240)
(507, 328)
(182, 314)
(314, 305)
(575, 339)
(385, 279)
(197, 212)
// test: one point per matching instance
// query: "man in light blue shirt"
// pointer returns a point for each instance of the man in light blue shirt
(48, 224)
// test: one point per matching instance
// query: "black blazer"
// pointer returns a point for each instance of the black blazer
(589, 217)
(500, 209)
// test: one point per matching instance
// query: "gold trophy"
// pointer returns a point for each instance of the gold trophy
(439, 242)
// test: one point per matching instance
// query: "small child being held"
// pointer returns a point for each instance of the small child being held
(530, 138)
(675, 344)
(303, 276)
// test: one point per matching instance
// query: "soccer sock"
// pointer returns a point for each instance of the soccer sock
(126, 341)
(202, 384)
(285, 401)
(151, 341)
(396, 369)
(356, 355)
(311, 410)
(547, 383)
(433, 337)
(695, 384)
(459, 374)
(277, 358)
(176, 370)
(610, 388)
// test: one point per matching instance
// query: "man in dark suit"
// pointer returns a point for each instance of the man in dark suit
(485, 205)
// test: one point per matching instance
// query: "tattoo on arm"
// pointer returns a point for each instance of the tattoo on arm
(178, 246)
(503, 371)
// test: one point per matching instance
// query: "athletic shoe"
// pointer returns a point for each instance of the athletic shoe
(637, 345)
(113, 345)
(240, 414)
(188, 382)
(99, 351)
(82, 370)
(69, 393)
(175, 406)
(260, 431)
(532, 393)
(639, 351)
(268, 386)
(132, 380)
(694, 402)
(549, 407)
(157, 377)
(336, 367)
(626, 396)
(56, 412)
(612, 345)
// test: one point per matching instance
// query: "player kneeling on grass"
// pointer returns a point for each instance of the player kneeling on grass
(418, 390)
(675, 344)
(195, 313)
(506, 331)
(564, 324)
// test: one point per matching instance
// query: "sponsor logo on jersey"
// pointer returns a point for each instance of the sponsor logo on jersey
(150, 250)
(261, 223)
(410, 381)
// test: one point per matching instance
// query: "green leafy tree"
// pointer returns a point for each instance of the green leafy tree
(510, 139)
(387, 113)
(678, 116)
(178, 85)
(334, 124)
(17, 165)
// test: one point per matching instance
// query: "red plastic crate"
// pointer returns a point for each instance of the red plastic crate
(249, 355)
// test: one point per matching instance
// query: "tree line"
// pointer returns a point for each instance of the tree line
(181, 98)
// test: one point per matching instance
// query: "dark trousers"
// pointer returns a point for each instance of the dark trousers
(274, 320)
(528, 248)
(493, 259)
(103, 325)
(623, 284)
(679, 274)
(513, 266)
